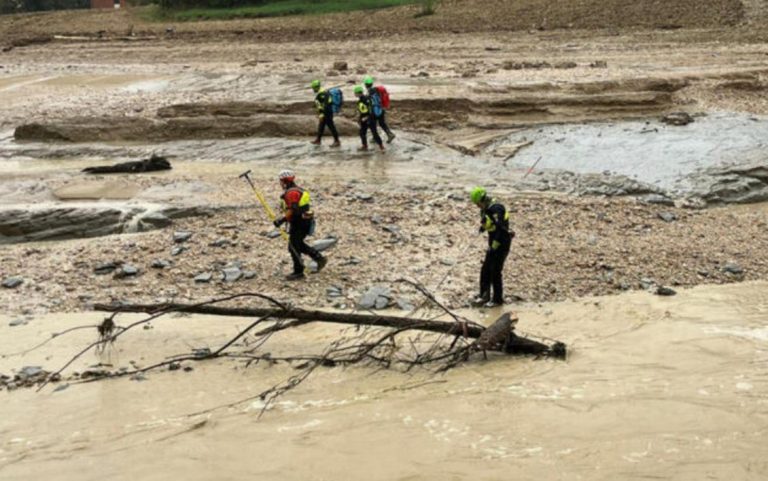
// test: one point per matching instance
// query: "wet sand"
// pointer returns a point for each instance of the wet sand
(673, 388)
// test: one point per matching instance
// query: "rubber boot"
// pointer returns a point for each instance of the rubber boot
(390, 137)
(315, 142)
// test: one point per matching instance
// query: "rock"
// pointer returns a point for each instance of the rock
(733, 268)
(599, 64)
(174, 366)
(677, 118)
(647, 283)
(249, 274)
(334, 291)
(566, 65)
(447, 262)
(181, 236)
(126, 270)
(61, 387)
(188, 368)
(340, 66)
(363, 197)
(381, 302)
(324, 244)
(203, 278)
(624, 286)
(178, 250)
(665, 291)
(667, 216)
(156, 220)
(139, 376)
(422, 74)
(221, 242)
(391, 228)
(12, 282)
(18, 322)
(231, 274)
(404, 304)
(657, 199)
(377, 297)
(160, 264)
(28, 372)
(376, 219)
(273, 234)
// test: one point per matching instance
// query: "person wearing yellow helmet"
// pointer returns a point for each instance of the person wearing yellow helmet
(324, 106)
(380, 103)
(366, 119)
(494, 221)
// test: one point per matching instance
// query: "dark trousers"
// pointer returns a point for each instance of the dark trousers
(296, 245)
(382, 121)
(491, 273)
(327, 120)
(366, 124)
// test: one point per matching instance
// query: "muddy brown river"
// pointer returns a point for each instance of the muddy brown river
(662, 388)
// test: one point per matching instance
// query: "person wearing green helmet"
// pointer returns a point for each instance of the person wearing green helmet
(380, 103)
(366, 119)
(495, 221)
(324, 106)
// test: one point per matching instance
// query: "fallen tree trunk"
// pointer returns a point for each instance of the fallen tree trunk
(498, 337)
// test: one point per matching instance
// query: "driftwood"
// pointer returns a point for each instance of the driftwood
(500, 336)
(381, 341)
(154, 163)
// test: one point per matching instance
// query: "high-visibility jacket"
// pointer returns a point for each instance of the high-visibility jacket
(324, 103)
(364, 107)
(295, 204)
(495, 221)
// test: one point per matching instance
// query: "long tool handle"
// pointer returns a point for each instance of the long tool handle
(269, 211)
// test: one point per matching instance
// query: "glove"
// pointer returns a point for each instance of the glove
(495, 245)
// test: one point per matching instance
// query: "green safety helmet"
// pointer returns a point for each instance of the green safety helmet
(358, 89)
(368, 80)
(315, 85)
(477, 194)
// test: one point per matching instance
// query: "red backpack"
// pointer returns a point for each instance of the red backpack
(383, 95)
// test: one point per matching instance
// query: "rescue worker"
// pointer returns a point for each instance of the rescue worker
(379, 112)
(324, 106)
(494, 221)
(298, 214)
(366, 119)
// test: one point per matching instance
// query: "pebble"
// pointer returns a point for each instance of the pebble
(13, 282)
(325, 244)
(104, 269)
(231, 274)
(665, 291)
(160, 264)
(376, 297)
(222, 242)
(181, 236)
(205, 277)
(667, 216)
(733, 268)
(126, 270)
